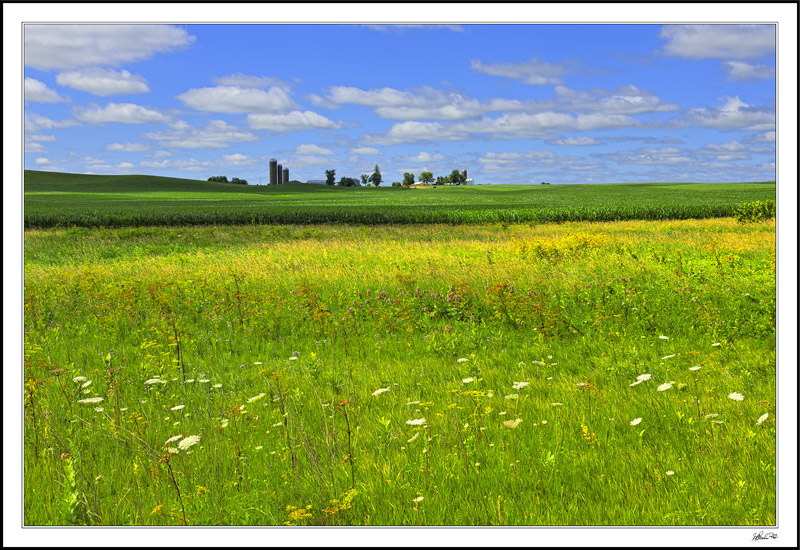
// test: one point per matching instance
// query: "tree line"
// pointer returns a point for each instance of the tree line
(224, 179)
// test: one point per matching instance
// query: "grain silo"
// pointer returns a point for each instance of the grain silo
(285, 175)
(464, 174)
(280, 174)
(273, 172)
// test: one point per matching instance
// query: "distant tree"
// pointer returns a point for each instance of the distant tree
(408, 178)
(456, 177)
(397, 184)
(237, 180)
(426, 177)
(330, 177)
(439, 180)
(447, 179)
(219, 179)
(376, 177)
(348, 182)
(364, 179)
(545, 183)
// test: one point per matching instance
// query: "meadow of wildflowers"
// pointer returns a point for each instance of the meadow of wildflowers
(497, 374)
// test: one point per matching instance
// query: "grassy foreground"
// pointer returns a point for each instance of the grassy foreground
(573, 374)
(65, 200)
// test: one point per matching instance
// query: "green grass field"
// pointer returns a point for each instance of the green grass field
(65, 200)
(614, 373)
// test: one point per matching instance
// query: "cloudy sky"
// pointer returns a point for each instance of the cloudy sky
(509, 103)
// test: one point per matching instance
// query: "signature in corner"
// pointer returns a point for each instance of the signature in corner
(761, 535)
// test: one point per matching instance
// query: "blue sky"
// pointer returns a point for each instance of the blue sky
(509, 103)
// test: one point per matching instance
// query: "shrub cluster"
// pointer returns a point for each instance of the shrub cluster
(756, 211)
(224, 179)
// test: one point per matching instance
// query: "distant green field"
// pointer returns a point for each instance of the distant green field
(63, 200)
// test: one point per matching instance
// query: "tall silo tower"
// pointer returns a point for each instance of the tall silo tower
(273, 171)
(280, 174)
(464, 174)
(285, 175)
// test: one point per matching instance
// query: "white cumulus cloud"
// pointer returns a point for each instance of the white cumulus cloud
(124, 113)
(291, 122)
(127, 147)
(366, 151)
(37, 91)
(311, 149)
(250, 81)
(217, 134)
(72, 46)
(739, 71)
(103, 82)
(718, 41)
(733, 114)
(535, 71)
(236, 99)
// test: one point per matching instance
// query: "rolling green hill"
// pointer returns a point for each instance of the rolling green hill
(57, 199)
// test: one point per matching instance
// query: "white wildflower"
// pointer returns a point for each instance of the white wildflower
(462, 360)
(520, 385)
(416, 422)
(694, 368)
(539, 363)
(185, 443)
(512, 396)
(177, 407)
(87, 384)
(664, 337)
(512, 424)
(644, 377)
(668, 356)
(715, 344)
(79, 379)
(669, 472)
(173, 438)
(217, 386)
(380, 391)
(664, 387)
(736, 396)
(91, 400)
(416, 435)
(154, 381)
(635, 421)
(762, 418)
(467, 380)
(256, 398)
(556, 404)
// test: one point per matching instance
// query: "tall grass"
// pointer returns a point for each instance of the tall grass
(476, 375)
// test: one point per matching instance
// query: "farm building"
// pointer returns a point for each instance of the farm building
(317, 181)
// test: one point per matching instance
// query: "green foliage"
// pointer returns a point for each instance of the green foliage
(330, 177)
(239, 181)
(219, 179)
(408, 178)
(364, 179)
(456, 177)
(348, 182)
(426, 177)
(376, 177)
(756, 211)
